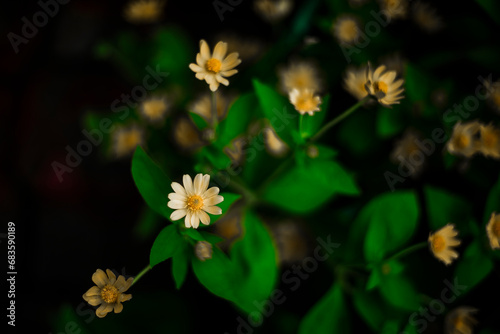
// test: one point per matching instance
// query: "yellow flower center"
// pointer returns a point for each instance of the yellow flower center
(462, 141)
(438, 243)
(214, 65)
(306, 104)
(380, 86)
(109, 294)
(195, 202)
(496, 228)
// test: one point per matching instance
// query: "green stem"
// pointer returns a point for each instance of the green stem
(338, 119)
(142, 273)
(215, 116)
(300, 125)
(408, 250)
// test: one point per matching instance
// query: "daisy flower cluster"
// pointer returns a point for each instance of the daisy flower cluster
(252, 148)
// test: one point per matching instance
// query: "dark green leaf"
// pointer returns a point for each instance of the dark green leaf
(166, 244)
(328, 315)
(474, 266)
(393, 219)
(152, 183)
(278, 111)
(369, 308)
(398, 291)
(304, 188)
(180, 264)
(444, 207)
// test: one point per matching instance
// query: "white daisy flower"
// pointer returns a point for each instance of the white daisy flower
(193, 200)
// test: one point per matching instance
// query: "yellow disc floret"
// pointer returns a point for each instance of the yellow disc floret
(214, 65)
(109, 294)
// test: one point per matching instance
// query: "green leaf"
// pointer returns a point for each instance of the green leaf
(251, 272)
(369, 308)
(393, 219)
(328, 315)
(151, 182)
(193, 234)
(180, 264)
(199, 121)
(255, 258)
(492, 8)
(276, 109)
(444, 207)
(493, 202)
(217, 274)
(389, 121)
(229, 200)
(238, 117)
(474, 266)
(398, 291)
(166, 244)
(311, 124)
(417, 84)
(304, 188)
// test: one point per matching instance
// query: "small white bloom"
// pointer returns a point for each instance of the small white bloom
(193, 200)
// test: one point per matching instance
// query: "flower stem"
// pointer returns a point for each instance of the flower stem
(408, 250)
(142, 273)
(300, 125)
(215, 118)
(338, 119)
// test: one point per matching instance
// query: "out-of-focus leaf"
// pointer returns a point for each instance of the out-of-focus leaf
(278, 111)
(417, 84)
(398, 291)
(491, 7)
(393, 219)
(329, 315)
(238, 117)
(474, 266)
(369, 308)
(389, 121)
(229, 199)
(493, 202)
(304, 188)
(166, 245)
(357, 133)
(152, 183)
(444, 207)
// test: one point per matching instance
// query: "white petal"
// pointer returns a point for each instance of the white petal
(205, 219)
(220, 50)
(187, 220)
(176, 197)
(176, 204)
(220, 79)
(188, 184)
(195, 221)
(178, 188)
(204, 49)
(198, 181)
(211, 192)
(204, 184)
(214, 210)
(200, 75)
(214, 200)
(178, 214)
(195, 68)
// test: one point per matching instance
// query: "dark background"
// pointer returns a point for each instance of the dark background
(65, 231)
